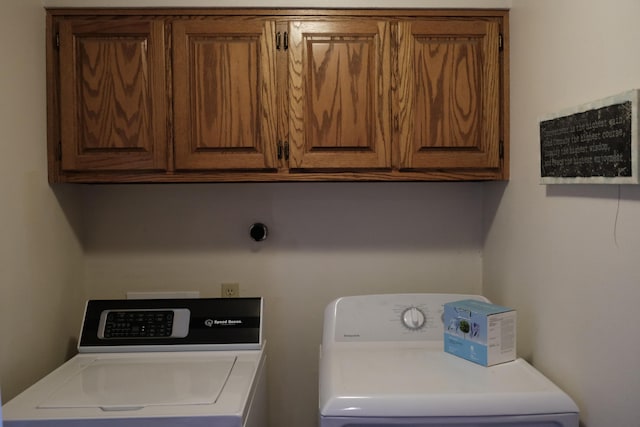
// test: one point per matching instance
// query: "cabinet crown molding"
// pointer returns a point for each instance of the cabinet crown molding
(354, 4)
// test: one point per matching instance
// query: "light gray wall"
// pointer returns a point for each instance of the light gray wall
(564, 256)
(567, 256)
(63, 244)
(40, 255)
(326, 240)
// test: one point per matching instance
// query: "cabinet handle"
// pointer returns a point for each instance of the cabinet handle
(286, 40)
(278, 39)
(279, 150)
(286, 150)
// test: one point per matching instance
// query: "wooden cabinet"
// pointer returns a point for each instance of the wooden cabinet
(281, 95)
(224, 94)
(113, 114)
(340, 94)
(449, 94)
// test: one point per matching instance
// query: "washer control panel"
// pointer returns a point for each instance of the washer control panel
(150, 323)
(172, 325)
(392, 317)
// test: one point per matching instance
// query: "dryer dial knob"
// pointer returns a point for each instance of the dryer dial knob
(413, 318)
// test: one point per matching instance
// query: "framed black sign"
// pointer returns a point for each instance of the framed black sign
(595, 143)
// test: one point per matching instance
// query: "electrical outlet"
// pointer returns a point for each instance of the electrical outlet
(230, 290)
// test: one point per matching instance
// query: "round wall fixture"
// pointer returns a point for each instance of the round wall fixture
(258, 231)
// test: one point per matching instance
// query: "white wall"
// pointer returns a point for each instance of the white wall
(567, 256)
(40, 256)
(326, 240)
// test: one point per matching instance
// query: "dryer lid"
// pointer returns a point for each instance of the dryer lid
(131, 383)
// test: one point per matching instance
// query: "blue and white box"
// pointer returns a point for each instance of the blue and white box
(481, 332)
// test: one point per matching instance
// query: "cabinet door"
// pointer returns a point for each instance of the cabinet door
(224, 94)
(340, 93)
(112, 95)
(448, 94)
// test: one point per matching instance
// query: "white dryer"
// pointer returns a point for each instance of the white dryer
(156, 363)
(382, 363)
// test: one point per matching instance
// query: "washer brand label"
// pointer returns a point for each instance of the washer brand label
(222, 322)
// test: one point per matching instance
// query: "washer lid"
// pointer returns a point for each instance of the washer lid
(417, 382)
(133, 383)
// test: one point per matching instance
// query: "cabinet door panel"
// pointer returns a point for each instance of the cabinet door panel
(224, 94)
(340, 91)
(448, 94)
(112, 95)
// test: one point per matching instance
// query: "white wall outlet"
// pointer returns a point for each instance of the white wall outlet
(230, 290)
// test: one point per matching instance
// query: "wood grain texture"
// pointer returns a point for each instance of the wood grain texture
(113, 92)
(448, 94)
(225, 76)
(54, 146)
(280, 13)
(361, 95)
(224, 94)
(276, 176)
(340, 94)
(110, 117)
(282, 97)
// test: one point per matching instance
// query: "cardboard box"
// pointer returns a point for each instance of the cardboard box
(481, 332)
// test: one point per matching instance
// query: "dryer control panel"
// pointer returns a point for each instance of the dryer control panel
(172, 325)
(392, 317)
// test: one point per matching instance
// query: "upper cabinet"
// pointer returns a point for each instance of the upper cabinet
(277, 95)
(449, 94)
(112, 89)
(340, 94)
(224, 94)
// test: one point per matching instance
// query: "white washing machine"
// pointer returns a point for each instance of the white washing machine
(156, 363)
(382, 363)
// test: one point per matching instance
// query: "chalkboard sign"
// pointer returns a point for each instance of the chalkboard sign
(595, 143)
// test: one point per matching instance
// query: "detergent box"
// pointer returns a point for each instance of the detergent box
(481, 332)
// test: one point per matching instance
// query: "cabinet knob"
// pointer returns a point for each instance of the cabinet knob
(258, 232)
